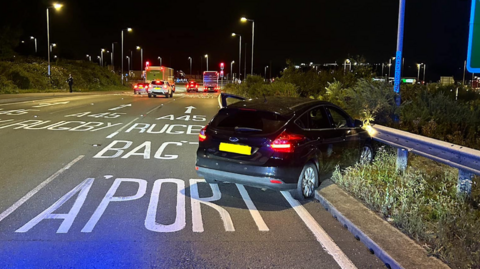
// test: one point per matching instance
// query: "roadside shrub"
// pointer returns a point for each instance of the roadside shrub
(422, 202)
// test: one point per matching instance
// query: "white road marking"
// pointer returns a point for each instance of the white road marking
(180, 222)
(120, 107)
(112, 135)
(253, 209)
(119, 130)
(193, 143)
(197, 222)
(322, 237)
(189, 109)
(68, 218)
(107, 176)
(154, 109)
(109, 197)
(31, 193)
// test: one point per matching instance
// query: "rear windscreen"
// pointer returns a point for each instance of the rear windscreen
(248, 121)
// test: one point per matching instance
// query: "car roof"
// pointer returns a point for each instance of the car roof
(279, 105)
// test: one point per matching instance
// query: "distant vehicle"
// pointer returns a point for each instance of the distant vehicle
(210, 81)
(160, 87)
(160, 73)
(140, 88)
(280, 144)
(192, 86)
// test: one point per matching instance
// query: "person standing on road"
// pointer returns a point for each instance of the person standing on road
(70, 82)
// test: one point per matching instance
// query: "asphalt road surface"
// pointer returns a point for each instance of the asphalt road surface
(108, 181)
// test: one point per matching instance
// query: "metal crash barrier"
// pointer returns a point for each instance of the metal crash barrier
(466, 160)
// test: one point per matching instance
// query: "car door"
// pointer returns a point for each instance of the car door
(341, 122)
(325, 139)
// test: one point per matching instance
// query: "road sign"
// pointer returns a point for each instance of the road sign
(473, 57)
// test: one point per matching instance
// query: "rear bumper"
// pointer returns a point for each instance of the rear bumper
(158, 91)
(254, 181)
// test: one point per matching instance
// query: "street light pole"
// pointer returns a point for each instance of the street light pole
(231, 68)
(253, 38)
(239, 54)
(160, 58)
(418, 73)
(266, 72)
(111, 56)
(57, 7)
(424, 71)
(141, 58)
(128, 30)
(206, 56)
(35, 40)
(128, 58)
(101, 53)
(190, 58)
(464, 69)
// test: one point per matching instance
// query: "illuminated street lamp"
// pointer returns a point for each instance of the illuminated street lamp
(141, 57)
(243, 19)
(206, 56)
(347, 61)
(266, 71)
(53, 45)
(128, 30)
(35, 39)
(89, 57)
(418, 67)
(231, 68)
(239, 54)
(190, 58)
(57, 7)
(99, 60)
(101, 53)
(160, 58)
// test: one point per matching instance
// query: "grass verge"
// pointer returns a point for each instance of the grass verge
(422, 202)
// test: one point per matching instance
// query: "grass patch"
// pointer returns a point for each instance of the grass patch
(422, 202)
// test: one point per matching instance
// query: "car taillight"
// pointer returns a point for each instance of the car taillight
(286, 142)
(202, 136)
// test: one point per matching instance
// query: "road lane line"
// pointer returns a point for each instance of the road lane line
(119, 130)
(262, 226)
(322, 237)
(153, 109)
(31, 193)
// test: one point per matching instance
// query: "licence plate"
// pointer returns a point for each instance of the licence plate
(239, 149)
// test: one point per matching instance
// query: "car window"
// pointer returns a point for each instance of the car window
(318, 118)
(339, 119)
(303, 121)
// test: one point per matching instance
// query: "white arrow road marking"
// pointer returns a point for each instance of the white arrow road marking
(107, 176)
(120, 107)
(322, 237)
(189, 109)
(31, 193)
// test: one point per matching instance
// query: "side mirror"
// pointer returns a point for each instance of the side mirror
(358, 123)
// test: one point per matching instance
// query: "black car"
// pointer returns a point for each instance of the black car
(280, 144)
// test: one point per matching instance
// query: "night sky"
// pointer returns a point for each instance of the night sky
(320, 31)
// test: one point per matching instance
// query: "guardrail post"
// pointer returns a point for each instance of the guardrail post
(464, 182)
(402, 159)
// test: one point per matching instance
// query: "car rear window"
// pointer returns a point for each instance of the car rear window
(248, 121)
(157, 83)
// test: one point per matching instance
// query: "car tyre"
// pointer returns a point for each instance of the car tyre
(367, 154)
(171, 94)
(166, 95)
(134, 92)
(307, 183)
(149, 96)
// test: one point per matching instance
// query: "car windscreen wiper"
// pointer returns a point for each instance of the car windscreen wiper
(247, 129)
